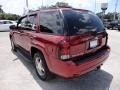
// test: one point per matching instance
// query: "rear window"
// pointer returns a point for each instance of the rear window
(79, 22)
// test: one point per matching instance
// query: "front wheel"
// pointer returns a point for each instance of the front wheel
(41, 67)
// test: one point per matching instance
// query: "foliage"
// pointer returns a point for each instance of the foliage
(99, 14)
(109, 15)
(9, 16)
(62, 4)
(58, 4)
(1, 10)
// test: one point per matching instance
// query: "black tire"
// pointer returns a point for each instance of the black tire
(47, 75)
(13, 46)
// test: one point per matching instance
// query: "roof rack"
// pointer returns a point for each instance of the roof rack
(45, 8)
(54, 7)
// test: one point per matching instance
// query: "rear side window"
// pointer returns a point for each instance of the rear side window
(79, 22)
(6, 22)
(9, 22)
(51, 23)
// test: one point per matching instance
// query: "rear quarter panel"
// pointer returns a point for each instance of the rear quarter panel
(48, 45)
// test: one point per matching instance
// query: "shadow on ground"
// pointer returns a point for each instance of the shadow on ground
(95, 80)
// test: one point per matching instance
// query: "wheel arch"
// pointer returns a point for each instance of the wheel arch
(34, 50)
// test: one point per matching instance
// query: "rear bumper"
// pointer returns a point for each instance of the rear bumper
(72, 69)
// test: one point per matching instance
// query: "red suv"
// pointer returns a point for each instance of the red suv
(65, 41)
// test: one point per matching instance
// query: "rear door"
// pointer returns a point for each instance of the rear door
(86, 31)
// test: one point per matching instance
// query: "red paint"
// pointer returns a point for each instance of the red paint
(49, 45)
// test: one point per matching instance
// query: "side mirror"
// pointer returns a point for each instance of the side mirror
(12, 27)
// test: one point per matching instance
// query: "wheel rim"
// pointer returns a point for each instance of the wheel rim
(39, 66)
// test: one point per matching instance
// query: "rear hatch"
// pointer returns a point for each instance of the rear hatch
(85, 30)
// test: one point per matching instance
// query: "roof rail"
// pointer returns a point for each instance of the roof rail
(45, 8)
(54, 7)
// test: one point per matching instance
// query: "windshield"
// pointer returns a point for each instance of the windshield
(79, 22)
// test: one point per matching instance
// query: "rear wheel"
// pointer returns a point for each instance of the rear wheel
(13, 46)
(41, 67)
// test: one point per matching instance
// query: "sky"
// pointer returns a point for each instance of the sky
(18, 6)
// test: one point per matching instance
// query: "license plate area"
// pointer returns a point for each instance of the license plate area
(93, 43)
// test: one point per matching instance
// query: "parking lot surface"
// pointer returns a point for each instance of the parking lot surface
(16, 73)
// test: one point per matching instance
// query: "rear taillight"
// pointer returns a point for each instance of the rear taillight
(64, 50)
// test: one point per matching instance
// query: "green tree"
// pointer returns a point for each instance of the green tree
(58, 4)
(1, 10)
(9, 16)
(108, 16)
(99, 14)
(62, 4)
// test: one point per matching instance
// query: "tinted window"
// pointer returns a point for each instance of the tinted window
(78, 22)
(21, 22)
(28, 22)
(51, 22)
(9, 22)
(31, 22)
(6, 22)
